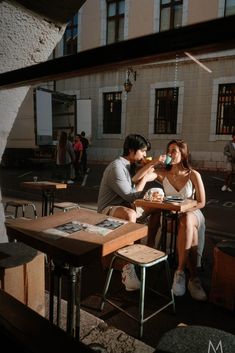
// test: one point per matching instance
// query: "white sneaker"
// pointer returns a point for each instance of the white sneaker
(129, 278)
(224, 188)
(228, 189)
(179, 283)
(196, 290)
(70, 182)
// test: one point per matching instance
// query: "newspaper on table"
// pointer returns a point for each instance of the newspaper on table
(102, 228)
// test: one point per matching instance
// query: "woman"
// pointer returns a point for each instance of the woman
(180, 179)
(65, 157)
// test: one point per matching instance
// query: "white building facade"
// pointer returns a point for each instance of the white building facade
(176, 98)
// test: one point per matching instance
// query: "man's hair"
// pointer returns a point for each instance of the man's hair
(135, 142)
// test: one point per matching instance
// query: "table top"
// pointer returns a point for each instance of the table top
(43, 185)
(182, 206)
(76, 247)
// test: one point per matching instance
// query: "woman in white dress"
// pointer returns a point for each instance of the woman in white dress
(180, 179)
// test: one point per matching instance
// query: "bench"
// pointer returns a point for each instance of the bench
(26, 331)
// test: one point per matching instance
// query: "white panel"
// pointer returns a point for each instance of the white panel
(84, 116)
(44, 113)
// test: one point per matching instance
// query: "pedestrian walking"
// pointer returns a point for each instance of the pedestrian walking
(229, 152)
(85, 144)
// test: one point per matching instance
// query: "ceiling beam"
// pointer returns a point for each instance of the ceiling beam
(204, 37)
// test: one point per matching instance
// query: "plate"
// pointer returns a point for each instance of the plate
(174, 198)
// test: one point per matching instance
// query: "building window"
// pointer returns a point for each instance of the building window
(171, 12)
(225, 122)
(115, 20)
(229, 8)
(166, 106)
(70, 36)
(112, 112)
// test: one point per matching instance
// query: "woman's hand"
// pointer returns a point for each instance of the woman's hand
(150, 176)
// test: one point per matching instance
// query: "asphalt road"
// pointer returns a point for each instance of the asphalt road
(219, 211)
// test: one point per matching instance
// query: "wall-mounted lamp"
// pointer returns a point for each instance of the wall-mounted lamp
(127, 84)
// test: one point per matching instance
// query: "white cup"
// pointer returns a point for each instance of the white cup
(35, 179)
(149, 195)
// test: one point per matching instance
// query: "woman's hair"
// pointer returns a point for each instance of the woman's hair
(135, 142)
(183, 147)
(63, 139)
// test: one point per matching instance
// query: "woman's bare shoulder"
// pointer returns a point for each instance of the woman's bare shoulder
(195, 175)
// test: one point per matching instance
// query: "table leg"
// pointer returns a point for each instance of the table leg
(73, 308)
(47, 202)
(173, 235)
(51, 289)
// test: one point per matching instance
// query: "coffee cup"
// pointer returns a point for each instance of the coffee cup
(168, 160)
(153, 193)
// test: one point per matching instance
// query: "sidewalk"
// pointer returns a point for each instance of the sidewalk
(187, 310)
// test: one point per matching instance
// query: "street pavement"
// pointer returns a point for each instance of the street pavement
(219, 210)
(220, 221)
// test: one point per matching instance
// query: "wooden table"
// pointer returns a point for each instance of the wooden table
(48, 189)
(73, 251)
(169, 209)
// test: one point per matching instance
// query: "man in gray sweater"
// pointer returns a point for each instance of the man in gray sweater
(117, 192)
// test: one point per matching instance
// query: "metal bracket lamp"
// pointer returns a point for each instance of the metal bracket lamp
(128, 84)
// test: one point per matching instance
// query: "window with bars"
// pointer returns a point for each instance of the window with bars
(112, 103)
(170, 14)
(225, 123)
(166, 106)
(115, 20)
(229, 8)
(70, 36)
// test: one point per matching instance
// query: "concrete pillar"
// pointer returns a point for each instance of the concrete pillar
(26, 39)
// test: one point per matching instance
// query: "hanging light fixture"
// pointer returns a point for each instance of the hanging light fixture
(128, 84)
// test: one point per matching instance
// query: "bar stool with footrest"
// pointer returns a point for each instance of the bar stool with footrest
(144, 257)
(16, 204)
(66, 206)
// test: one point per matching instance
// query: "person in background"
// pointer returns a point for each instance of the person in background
(64, 157)
(229, 152)
(85, 144)
(78, 149)
(180, 179)
(118, 192)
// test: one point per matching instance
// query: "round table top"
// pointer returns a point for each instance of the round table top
(15, 254)
(195, 339)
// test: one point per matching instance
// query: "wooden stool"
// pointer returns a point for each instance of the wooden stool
(142, 256)
(65, 206)
(223, 276)
(21, 204)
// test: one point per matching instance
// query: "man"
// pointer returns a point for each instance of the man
(229, 152)
(117, 192)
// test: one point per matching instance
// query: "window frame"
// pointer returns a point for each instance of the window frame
(116, 19)
(169, 94)
(224, 100)
(172, 4)
(72, 27)
(226, 9)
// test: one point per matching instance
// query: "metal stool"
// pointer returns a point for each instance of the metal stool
(142, 256)
(21, 204)
(65, 206)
